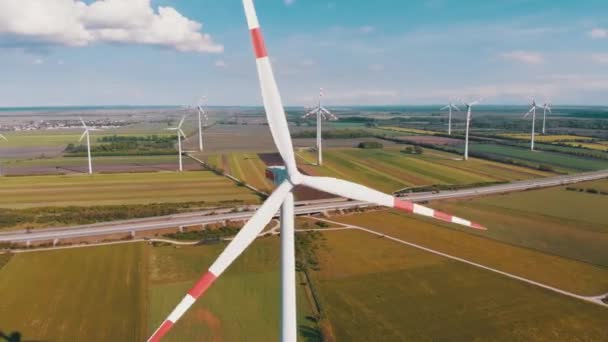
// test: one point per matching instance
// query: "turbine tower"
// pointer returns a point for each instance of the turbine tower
(282, 198)
(450, 106)
(546, 108)
(322, 114)
(87, 133)
(3, 138)
(469, 107)
(180, 134)
(533, 112)
(202, 116)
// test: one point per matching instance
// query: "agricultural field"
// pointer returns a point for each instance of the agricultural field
(120, 189)
(551, 269)
(546, 138)
(243, 305)
(374, 287)
(247, 167)
(122, 292)
(571, 224)
(558, 161)
(599, 146)
(113, 164)
(408, 130)
(390, 170)
(92, 294)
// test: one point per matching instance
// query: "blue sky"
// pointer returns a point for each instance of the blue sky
(361, 52)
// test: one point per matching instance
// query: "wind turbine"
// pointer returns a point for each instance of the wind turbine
(282, 198)
(469, 107)
(546, 108)
(533, 111)
(450, 106)
(180, 134)
(322, 114)
(3, 138)
(87, 133)
(202, 115)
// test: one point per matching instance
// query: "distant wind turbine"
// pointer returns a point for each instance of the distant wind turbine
(533, 112)
(322, 114)
(450, 106)
(202, 115)
(3, 138)
(87, 133)
(546, 108)
(282, 198)
(180, 134)
(469, 107)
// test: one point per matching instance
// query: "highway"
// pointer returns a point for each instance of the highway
(302, 208)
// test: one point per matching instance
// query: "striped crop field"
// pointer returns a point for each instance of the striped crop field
(407, 130)
(90, 294)
(546, 138)
(120, 189)
(243, 305)
(247, 167)
(121, 292)
(572, 224)
(371, 286)
(559, 161)
(390, 170)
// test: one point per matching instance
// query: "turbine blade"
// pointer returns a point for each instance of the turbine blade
(181, 122)
(529, 112)
(83, 124)
(446, 107)
(83, 135)
(275, 113)
(362, 193)
(3, 137)
(182, 133)
(309, 114)
(242, 240)
(456, 107)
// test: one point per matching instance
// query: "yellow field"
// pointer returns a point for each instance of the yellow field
(407, 130)
(546, 138)
(600, 146)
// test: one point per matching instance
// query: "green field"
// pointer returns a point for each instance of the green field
(560, 162)
(66, 136)
(247, 167)
(97, 161)
(243, 305)
(561, 272)
(92, 294)
(390, 170)
(121, 292)
(567, 223)
(120, 189)
(376, 289)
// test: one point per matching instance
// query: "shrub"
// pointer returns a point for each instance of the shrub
(370, 145)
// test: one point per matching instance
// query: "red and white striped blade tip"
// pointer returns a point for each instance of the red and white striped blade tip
(413, 208)
(195, 292)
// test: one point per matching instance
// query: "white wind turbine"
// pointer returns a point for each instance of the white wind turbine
(450, 106)
(533, 112)
(3, 138)
(546, 108)
(87, 133)
(322, 114)
(282, 198)
(469, 107)
(180, 134)
(202, 116)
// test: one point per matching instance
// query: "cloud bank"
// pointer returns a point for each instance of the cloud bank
(76, 23)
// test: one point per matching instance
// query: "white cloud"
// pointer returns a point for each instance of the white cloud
(289, 2)
(220, 63)
(600, 58)
(38, 61)
(76, 23)
(598, 33)
(525, 57)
